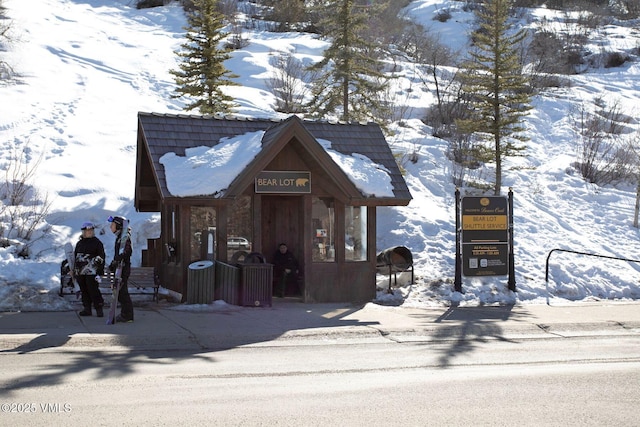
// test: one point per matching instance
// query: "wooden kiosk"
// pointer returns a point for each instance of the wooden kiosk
(292, 191)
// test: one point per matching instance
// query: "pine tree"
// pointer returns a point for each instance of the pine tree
(497, 88)
(348, 77)
(202, 73)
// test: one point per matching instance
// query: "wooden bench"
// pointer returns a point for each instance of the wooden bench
(141, 278)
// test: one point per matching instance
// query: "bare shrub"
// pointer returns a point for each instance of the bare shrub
(229, 8)
(442, 15)
(288, 83)
(603, 157)
(471, 5)
(23, 209)
(552, 53)
(289, 15)
(626, 9)
(147, 4)
(602, 161)
(432, 57)
(563, 50)
(442, 116)
(615, 59)
(614, 120)
(6, 71)
(634, 144)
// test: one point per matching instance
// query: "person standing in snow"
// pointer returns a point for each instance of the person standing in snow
(122, 253)
(88, 267)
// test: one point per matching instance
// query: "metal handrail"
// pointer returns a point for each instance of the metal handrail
(546, 275)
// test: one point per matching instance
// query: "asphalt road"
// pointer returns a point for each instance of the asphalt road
(579, 380)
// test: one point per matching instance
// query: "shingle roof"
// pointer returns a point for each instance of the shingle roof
(164, 133)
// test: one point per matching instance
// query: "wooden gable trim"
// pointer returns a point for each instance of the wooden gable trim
(147, 198)
(293, 129)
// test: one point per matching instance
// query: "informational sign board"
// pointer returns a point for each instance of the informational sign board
(283, 182)
(485, 236)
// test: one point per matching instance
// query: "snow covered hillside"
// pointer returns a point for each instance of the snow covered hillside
(86, 67)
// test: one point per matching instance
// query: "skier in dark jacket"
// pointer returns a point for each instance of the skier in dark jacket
(285, 272)
(89, 266)
(122, 253)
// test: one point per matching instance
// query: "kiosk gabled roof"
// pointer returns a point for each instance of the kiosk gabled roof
(159, 134)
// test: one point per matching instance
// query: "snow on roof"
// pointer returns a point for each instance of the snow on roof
(210, 170)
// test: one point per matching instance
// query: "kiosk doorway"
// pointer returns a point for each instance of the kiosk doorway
(282, 223)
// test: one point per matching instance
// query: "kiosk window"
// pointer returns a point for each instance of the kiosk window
(240, 226)
(323, 228)
(203, 233)
(355, 239)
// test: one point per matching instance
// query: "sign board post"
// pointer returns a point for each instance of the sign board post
(512, 273)
(486, 244)
(457, 283)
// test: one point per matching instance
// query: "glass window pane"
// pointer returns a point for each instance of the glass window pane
(203, 233)
(355, 241)
(239, 226)
(323, 228)
(171, 229)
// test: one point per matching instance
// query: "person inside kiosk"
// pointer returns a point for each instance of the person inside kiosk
(285, 272)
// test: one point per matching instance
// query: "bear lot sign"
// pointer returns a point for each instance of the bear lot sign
(283, 182)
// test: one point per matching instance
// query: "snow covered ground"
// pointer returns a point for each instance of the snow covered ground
(88, 66)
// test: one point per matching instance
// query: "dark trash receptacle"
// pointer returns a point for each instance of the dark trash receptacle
(256, 281)
(201, 282)
(227, 286)
(396, 259)
(254, 258)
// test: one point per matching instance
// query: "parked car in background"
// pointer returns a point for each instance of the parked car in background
(238, 243)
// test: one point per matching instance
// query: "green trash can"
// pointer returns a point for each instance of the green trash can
(201, 282)
(227, 286)
(256, 284)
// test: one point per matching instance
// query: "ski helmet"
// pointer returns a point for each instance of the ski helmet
(117, 220)
(87, 226)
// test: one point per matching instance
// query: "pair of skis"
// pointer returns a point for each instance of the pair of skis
(117, 278)
(71, 261)
(117, 282)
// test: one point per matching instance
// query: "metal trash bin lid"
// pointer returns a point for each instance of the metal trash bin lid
(200, 265)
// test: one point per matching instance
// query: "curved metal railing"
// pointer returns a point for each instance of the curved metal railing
(546, 274)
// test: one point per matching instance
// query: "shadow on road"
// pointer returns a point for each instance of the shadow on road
(465, 328)
(160, 336)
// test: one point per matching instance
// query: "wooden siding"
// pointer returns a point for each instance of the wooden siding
(289, 145)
